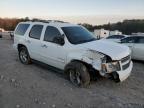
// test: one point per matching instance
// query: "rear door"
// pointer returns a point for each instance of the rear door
(138, 49)
(33, 41)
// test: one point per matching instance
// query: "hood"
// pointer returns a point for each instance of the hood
(114, 50)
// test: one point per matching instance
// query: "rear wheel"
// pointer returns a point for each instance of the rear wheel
(24, 56)
(78, 74)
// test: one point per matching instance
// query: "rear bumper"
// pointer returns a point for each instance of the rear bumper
(124, 74)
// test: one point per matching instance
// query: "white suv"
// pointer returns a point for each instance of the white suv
(73, 49)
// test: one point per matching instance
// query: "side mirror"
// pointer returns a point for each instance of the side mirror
(59, 40)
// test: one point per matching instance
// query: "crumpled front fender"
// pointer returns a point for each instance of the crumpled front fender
(95, 63)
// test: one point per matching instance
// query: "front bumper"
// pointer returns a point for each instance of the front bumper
(124, 74)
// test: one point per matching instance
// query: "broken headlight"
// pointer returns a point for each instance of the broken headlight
(111, 67)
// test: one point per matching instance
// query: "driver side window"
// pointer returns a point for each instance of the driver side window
(51, 33)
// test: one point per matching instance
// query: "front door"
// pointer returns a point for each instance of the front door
(51, 52)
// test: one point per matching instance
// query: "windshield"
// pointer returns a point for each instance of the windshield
(78, 35)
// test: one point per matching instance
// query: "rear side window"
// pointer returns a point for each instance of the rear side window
(21, 29)
(36, 31)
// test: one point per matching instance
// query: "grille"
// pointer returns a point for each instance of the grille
(126, 65)
(125, 59)
(126, 62)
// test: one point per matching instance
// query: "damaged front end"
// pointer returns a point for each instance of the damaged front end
(109, 69)
(106, 66)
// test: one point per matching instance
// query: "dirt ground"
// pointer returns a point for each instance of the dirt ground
(35, 86)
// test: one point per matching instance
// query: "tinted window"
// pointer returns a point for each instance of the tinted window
(129, 40)
(78, 35)
(51, 33)
(120, 37)
(115, 37)
(36, 31)
(21, 29)
(141, 40)
(111, 37)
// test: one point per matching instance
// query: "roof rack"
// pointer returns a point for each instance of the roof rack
(47, 21)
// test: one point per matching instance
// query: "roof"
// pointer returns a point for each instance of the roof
(51, 22)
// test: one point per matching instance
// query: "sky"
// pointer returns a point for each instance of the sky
(78, 11)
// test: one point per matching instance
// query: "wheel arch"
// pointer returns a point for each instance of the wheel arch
(21, 45)
(83, 62)
(89, 66)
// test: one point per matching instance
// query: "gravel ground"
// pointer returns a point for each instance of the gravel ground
(35, 86)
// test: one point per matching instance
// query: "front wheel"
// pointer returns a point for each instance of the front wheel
(24, 56)
(78, 74)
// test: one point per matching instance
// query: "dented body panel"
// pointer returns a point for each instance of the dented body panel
(103, 56)
(93, 53)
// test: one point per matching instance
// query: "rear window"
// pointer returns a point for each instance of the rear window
(21, 29)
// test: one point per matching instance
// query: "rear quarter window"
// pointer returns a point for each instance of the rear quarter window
(21, 29)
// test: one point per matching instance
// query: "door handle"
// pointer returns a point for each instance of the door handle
(44, 46)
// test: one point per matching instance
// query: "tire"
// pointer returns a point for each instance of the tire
(78, 74)
(24, 56)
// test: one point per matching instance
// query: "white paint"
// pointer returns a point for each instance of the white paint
(59, 56)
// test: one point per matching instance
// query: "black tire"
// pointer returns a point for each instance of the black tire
(79, 72)
(24, 56)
